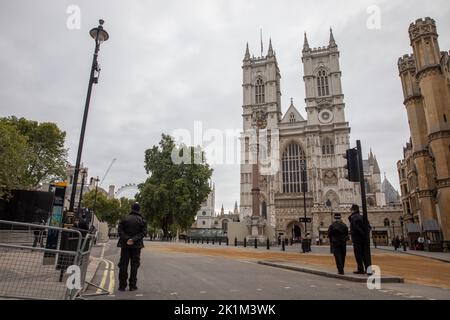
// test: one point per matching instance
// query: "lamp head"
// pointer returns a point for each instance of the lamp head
(99, 34)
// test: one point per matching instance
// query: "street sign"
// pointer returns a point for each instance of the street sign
(307, 220)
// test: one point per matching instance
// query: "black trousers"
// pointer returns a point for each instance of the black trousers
(362, 256)
(339, 251)
(128, 255)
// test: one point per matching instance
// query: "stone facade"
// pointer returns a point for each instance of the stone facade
(425, 170)
(301, 161)
(206, 214)
(409, 185)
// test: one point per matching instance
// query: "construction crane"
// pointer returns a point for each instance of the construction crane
(107, 171)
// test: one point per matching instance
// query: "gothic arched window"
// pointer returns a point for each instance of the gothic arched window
(322, 84)
(386, 222)
(327, 146)
(259, 91)
(294, 169)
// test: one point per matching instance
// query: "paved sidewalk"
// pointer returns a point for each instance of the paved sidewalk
(441, 256)
(326, 272)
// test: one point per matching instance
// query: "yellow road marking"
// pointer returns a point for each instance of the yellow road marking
(112, 281)
(105, 275)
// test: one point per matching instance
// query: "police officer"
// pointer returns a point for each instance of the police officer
(338, 235)
(360, 240)
(132, 230)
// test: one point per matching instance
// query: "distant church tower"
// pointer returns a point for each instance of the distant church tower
(328, 134)
(261, 93)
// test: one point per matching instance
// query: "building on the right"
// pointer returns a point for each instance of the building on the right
(425, 170)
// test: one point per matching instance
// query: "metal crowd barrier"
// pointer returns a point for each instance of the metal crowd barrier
(34, 260)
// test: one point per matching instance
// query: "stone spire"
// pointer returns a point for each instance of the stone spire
(270, 52)
(236, 211)
(376, 167)
(332, 41)
(371, 162)
(222, 211)
(247, 53)
(306, 44)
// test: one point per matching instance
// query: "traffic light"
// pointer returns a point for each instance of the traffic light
(352, 165)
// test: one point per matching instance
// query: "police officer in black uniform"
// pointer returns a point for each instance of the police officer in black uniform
(360, 239)
(132, 230)
(338, 235)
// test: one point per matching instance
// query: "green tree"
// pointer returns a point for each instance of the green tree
(13, 159)
(174, 192)
(107, 210)
(46, 155)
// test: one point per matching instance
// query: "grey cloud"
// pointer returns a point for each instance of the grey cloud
(169, 63)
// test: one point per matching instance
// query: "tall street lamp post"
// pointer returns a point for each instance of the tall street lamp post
(83, 179)
(99, 35)
(404, 241)
(401, 224)
(393, 229)
(328, 204)
(306, 245)
(95, 199)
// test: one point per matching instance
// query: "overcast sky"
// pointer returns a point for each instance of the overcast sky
(170, 63)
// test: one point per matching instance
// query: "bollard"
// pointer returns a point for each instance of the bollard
(283, 244)
(207, 240)
(245, 242)
(227, 241)
(268, 244)
(256, 244)
(202, 240)
(213, 241)
(198, 241)
(235, 241)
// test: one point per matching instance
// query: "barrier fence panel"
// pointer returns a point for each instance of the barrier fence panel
(34, 260)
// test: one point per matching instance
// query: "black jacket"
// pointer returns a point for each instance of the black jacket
(338, 233)
(132, 227)
(357, 228)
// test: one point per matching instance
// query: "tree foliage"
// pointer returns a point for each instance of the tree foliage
(13, 158)
(173, 193)
(106, 209)
(45, 155)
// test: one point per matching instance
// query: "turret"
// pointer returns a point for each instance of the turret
(407, 73)
(306, 47)
(423, 36)
(247, 54)
(270, 51)
(332, 43)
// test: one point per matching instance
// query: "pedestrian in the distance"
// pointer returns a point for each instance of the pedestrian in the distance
(132, 230)
(360, 238)
(397, 243)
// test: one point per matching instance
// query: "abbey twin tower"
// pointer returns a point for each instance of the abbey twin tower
(301, 161)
